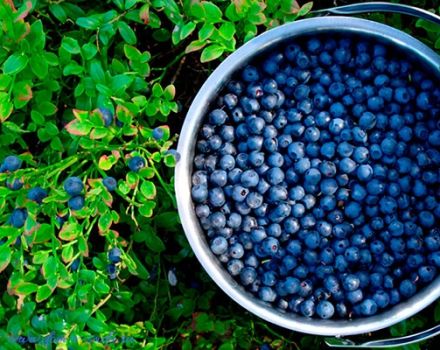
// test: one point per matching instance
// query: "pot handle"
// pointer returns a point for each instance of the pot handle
(381, 7)
(384, 343)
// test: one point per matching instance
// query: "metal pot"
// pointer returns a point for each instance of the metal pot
(196, 236)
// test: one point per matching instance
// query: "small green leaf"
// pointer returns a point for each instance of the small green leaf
(213, 12)
(147, 209)
(227, 30)
(73, 68)
(154, 243)
(58, 11)
(26, 288)
(127, 33)
(70, 45)
(305, 9)
(90, 23)
(43, 292)
(157, 90)
(49, 268)
(132, 53)
(15, 63)
(187, 29)
(96, 72)
(148, 189)
(96, 325)
(69, 231)
(89, 51)
(211, 52)
(39, 66)
(5, 257)
(206, 31)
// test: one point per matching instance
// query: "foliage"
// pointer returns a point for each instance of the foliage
(82, 85)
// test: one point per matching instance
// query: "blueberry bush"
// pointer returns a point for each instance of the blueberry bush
(92, 97)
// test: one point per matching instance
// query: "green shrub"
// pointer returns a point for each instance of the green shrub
(83, 84)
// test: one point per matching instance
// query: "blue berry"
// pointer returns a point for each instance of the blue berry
(18, 217)
(76, 202)
(136, 163)
(114, 255)
(110, 183)
(37, 194)
(11, 163)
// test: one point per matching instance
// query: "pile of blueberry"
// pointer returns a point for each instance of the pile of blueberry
(316, 177)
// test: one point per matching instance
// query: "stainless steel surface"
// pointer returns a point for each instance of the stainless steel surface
(381, 7)
(183, 170)
(385, 343)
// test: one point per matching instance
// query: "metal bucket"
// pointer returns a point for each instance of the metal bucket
(186, 148)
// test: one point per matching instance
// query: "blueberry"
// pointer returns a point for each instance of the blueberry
(37, 194)
(325, 309)
(76, 202)
(199, 193)
(216, 197)
(336, 125)
(110, 183)
(114, 255)
(235, 266)
(158, 133)
(136, 163)
(14, 184)
(18, 217)
(407, 288)
(11, 163)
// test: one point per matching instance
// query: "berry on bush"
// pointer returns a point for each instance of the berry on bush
(37, 194)
(73, 186)
(114, 255)
(11, 163)
(18, 217)
(158, 133)
(76, 203)
(107, 116)
(110, 183)
(136, 163)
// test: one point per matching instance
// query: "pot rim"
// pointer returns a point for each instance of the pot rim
(183, 170)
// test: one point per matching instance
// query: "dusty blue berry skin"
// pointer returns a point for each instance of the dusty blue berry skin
(76, 202)
(110, 183)
(11, 163)
(37, 194)
(107, 116)
(316, 178)
(158, 133)
(18, 217)
(73, 186)
(136, 163)
(14, 185)
(114, 255)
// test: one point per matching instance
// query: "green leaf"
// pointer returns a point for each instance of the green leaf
(96, 325)
(227, 30)
(213, 12)
(49, 268)
(15, 63)
(43, 292)
(46, 108)
(153, 242)
(127, 33)
(157, 90)
(70, 45)
(187, 29)
(89, 51)
(148, 189)
(26, 288)
(206, 31)
(132, 53)
(96, 72)
(120, 83)
(5, 257)
(43, 234)
(305, 9)
(73, 68)
(90, 23)
(58, 11)
(211, 52)
(147, 209)
(39, 66)
(69, 231)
